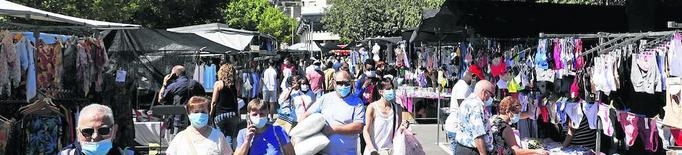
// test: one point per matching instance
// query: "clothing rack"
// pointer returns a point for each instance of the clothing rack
(612, 44)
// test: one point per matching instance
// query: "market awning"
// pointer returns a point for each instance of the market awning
(307, 46)
(150, 40)
(16, 10)
(222, 34)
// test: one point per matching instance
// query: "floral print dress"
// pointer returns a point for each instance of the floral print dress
(500, 147)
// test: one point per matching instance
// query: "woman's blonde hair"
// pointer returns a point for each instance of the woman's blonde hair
(227, 74)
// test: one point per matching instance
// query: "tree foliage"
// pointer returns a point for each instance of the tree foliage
(149, 13)
(357, 20)
(259, 15)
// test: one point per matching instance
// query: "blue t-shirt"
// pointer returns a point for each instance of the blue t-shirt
(266, 143)
(340, 111)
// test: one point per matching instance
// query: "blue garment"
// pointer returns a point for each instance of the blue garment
(477, 123)
(45, 134)
(46, 37)
(561, 115)
(25, 51)
(209, 77)
(179, 92)
(541, 55)
(266, 143)
(255, 82)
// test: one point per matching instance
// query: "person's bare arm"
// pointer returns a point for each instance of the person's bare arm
(289, 149)
(569, 135)
(510, 139)
(480, 145)
(347, 129)
(369, 116)
(216, 93)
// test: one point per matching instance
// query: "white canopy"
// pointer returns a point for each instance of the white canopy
(307, 46)
(222, 34)
(16, 10)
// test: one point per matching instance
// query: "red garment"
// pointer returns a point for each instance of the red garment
(499, 69)
(473, 69)
(677, 134)
(545, 114)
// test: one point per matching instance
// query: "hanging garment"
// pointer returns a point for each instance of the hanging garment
(557, 55)
(25, 51)
(575, 112)
(629, 124)
(209, 77)
(579, 59)
(199, 74)
(590, 110)
(648, 133)
(644, 73)
(82, 66)
(546, 75)
(100, 60)
(498, 67)
(675, 55)
(13, 63)
(673, 105)
(603, 114)
(541, 56)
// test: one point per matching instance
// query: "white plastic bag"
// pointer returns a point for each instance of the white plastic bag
(406, 143)
(311, 145)
(309, 126)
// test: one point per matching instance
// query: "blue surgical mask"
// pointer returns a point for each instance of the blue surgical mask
(96, 148)
(489, 102)
(259, 122)
(515, 118)
(198, 120)
(343, 90)
(389, 95)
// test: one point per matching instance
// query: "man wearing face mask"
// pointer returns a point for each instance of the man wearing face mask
(344, 114)
(365, 86)
(259, 137)
(96, 130)
(474, 136)
(199, 138)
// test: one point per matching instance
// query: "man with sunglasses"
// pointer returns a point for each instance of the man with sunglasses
(474, 137)
(344, 114)
(96, 130)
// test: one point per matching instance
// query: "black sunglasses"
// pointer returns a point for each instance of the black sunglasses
(87, 132)
(343, 83)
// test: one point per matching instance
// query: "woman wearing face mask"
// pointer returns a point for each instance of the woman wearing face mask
(383, 121)
(262, 138)
(504, 141)
(295, 102)
(199, 138)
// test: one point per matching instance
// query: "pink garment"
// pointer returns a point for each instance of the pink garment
(649, 134)
(407, 103)
(629, 123)
(315, 80)
(603, 113)
(412, 145)
(557, 55)
(579, 60)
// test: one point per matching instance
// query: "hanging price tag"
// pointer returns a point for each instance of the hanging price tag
(121, 75)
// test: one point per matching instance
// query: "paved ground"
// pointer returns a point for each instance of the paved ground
(426, 133)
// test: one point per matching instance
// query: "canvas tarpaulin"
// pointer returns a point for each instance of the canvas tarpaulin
(16, 10)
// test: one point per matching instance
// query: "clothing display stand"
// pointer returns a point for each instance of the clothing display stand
(619, 40)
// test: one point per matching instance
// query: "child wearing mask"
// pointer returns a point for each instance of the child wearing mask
(259, 137)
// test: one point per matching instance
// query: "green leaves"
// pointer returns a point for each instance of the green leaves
(258, 15)
(360, 19)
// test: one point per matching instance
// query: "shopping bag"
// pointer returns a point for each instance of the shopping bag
(311, 145)
(406, 143)
(308, 126)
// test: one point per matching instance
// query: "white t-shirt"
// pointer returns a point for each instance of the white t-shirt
(270, 79)
(215, 144)
(298, 98)
(459, 91)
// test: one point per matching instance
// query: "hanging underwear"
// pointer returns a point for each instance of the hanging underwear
(677, 135)
(540, 55)
(629, 124)
(557, 55)
(574, 112)
(544, 113)
(590, 111)
(498, 67)
(649, 134)
(561, 115)
(603, 114)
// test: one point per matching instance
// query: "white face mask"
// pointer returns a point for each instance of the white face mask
(489, 102)
(304, 87)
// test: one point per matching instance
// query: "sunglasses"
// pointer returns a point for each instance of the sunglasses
(489, 92)
(87, 132)
(343, 83)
